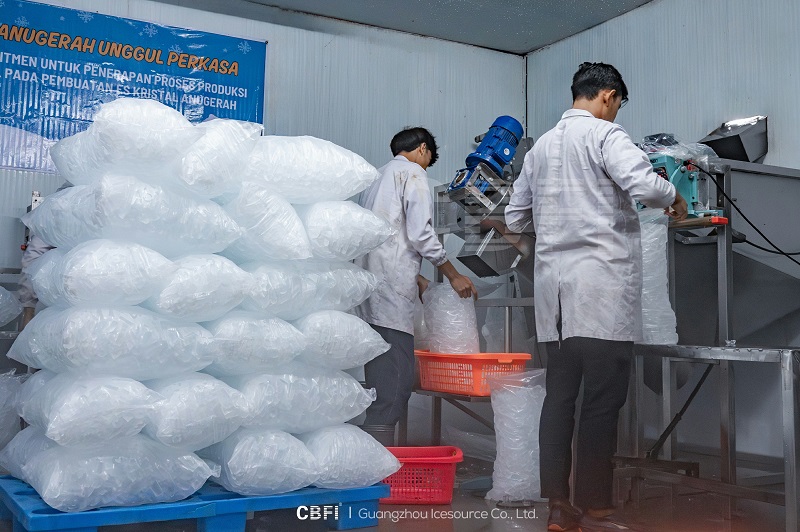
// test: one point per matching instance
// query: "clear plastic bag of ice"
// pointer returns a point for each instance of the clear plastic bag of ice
(342, 230)
(25, 445)
(273, 230)
(75, 410)
(124, 341)
(250, 342)
(107, 272)
(122, 472)
(213, 165)
(517, 401)
(9, 420)
(291, 290)
(119, 206)
(307, 169)
(197, 411)
(262, 462)
(451, 321)
(337, 340)
(201, 288)
(348, 457)
(299, 398)
(142, 137)
(10, 307)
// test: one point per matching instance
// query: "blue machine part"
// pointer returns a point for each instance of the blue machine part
(498, 145)
(687, 181)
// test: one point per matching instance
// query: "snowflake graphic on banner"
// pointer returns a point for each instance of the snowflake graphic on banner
(244, 47)
(21, 22)
(175, 48)
(2, 4)
(150, 30)
(85, 16)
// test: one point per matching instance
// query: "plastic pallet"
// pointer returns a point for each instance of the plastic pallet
(214, 508)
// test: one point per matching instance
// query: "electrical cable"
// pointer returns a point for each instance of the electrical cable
(778, 251)
(767, 249)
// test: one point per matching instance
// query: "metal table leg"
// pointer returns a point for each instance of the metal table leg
(436, 421)
(791, 421)
(638, 419)
(668, 373)
(727, 423)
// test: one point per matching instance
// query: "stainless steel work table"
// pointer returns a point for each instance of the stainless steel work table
(788, 361)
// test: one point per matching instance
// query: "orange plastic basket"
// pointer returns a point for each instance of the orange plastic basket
(466, 374)
(426, 476)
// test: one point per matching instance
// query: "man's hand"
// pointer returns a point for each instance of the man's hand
(678, 210)
(422, 285)
(463, 286)
(460, 283)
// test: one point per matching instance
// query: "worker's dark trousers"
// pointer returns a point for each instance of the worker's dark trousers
(392, 376)
(604, 367)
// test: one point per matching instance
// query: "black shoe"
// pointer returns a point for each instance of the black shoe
(604, 524)
(563, 516)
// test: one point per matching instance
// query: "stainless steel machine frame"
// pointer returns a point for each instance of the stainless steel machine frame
(723, 355)
(789, 362)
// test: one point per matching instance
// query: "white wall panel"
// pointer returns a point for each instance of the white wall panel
(689, 66)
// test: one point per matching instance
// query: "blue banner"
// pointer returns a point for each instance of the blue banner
(58, 65)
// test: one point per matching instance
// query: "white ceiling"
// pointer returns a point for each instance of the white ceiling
(515, 26)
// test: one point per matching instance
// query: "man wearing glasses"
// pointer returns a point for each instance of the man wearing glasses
(579, 186)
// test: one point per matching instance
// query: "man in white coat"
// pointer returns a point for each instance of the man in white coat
(579, 186)
(402, 197)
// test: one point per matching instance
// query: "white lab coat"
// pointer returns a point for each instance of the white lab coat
(579, 185)
(402, 197)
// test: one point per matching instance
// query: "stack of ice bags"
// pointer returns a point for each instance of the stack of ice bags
(139, 301)
(300, 234)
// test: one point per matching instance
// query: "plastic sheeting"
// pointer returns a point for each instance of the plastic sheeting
(517, 403)
(262, 462)
(308, 169)
(123, 341)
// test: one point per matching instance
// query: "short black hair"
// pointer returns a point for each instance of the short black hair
(409, 140)
(591, 78)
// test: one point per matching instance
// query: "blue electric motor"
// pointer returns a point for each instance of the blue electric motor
(480, 187)
(498, 146)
